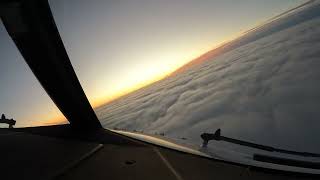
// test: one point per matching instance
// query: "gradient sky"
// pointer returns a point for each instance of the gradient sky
(118, 46)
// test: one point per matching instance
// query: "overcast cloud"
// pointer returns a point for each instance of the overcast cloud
(265, 91)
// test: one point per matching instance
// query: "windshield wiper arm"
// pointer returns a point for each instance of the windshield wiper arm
(218, 137)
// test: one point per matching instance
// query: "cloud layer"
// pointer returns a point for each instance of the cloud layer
(265, 91)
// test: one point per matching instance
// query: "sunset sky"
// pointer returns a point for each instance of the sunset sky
(118, 46)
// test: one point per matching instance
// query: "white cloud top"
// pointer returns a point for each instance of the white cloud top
(266, 91)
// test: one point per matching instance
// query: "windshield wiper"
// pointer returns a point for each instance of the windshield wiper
(218, 137)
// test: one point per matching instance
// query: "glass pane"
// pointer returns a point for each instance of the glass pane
(21, 96)
(181, 68)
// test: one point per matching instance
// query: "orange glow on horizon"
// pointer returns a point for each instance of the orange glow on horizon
(55, 121)
(53, 118)
(149, 78)
(109, 98)
(103, 98)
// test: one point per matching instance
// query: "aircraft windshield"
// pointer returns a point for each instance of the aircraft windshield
(177, 69)
(21, 96)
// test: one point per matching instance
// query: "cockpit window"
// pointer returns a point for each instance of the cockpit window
(178, 69)
(21, 96)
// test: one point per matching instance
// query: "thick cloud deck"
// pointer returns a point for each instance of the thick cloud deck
(265, 91)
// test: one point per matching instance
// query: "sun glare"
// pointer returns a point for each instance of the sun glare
(155, 67)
